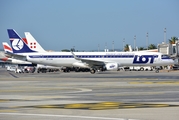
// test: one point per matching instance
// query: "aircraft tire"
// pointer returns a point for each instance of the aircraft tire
(157, 70)
(141, 69)
(92, 71)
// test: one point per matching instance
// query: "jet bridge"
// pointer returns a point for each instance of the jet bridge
(175, 49)
(165, 48)
(170, 49)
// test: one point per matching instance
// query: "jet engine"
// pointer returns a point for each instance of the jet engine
(80, 64)
(112, 66)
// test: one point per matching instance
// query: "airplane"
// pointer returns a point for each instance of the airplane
(7, 58)
(28, 40)
(93, 60)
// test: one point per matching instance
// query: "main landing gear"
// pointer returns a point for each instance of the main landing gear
(92, 71)
(157, 70)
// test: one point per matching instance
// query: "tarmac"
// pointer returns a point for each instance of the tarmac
(109, 95)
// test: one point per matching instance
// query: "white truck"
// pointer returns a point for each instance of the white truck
(141, 68)
(14, 69)
(18, 70)
(11, 68)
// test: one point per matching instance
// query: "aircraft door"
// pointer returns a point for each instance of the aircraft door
(156, 58)
(41, 57)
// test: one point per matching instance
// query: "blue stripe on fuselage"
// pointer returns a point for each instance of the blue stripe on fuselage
(81, 56)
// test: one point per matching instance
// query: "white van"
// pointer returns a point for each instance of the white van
(11, 68)
(146, 68)
(18, 70)
(134, 68)
(140, 68)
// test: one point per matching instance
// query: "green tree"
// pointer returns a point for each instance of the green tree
(173, 40)
(65, 50)
(126, 47)
(152, 46)
(141, 48)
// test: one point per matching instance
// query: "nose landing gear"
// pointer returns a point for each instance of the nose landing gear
(157, 70)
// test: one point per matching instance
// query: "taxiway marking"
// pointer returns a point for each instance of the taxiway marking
(65, 116)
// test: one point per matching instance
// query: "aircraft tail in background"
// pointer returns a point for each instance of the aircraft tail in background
(7, 48)
(32, 43)
(130, 48)
(10, 58)
(17, 43)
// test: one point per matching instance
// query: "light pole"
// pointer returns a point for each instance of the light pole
(134, 42)
(113, 45)
(98, 47)
(73, 48)
(147, 40)
(165, 35)
(105, 47)
(123, 43)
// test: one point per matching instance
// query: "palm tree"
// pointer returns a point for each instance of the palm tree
(173, 40)
(141, 48)
(73, 49)
(65, 50)
(152, 46)
(126, 47)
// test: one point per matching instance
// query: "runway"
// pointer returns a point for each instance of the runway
(114, 95)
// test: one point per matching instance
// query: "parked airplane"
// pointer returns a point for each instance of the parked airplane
(93, 60)
(8, 59)
(30, 42)
(40, 67)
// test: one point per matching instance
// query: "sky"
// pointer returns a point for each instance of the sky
(90, 24)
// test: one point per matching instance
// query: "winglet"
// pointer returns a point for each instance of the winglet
(130, 48)
(75, 56)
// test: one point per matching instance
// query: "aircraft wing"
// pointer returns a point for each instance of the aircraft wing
(9, 53)
(93, 62)
(16, 56)
(90, 62)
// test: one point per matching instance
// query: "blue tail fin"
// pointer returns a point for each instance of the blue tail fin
(17, 44)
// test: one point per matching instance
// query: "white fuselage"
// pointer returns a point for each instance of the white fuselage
(122, 58)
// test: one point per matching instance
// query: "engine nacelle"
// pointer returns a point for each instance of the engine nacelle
(80, 64)
(112, 66)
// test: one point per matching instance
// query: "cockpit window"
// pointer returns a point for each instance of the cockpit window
(165, 57)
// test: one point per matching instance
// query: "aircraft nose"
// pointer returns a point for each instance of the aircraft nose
(172, 61)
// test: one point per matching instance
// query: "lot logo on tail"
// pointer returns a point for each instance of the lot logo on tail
(17, 44)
